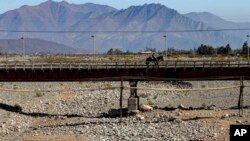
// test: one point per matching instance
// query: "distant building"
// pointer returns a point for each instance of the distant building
(146, 52)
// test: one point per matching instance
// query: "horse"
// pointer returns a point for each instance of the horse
(155, 61)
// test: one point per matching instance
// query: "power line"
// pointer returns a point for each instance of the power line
(119, 31)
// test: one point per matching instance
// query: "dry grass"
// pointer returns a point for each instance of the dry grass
(138, 58)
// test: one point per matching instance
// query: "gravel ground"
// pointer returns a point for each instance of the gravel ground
(68, 111)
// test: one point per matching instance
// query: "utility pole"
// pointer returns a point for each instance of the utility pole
(165, 39)
(93, 37)
(248, 46)
(22, 38)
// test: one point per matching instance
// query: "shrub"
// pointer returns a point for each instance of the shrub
(14, 86)
(155, 97)
(150, 102)
(203, 105)
(39, 94)
(193, 55)
(108, 85)
(18, 108)
(144, 95)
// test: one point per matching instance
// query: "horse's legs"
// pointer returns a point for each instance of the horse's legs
(154, 64)
(157, 64)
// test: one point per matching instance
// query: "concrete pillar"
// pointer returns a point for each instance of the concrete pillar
(132, 105)
(133, 101)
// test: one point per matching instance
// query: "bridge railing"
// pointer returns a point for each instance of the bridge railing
(205, 64)
(124, 65)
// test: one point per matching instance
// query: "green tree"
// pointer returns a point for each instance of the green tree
(112, 51)
(205, 50)
(220, 50)
(228, 49)
(224, 50)
(244, 48)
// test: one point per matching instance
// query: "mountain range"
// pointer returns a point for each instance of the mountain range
(80, 27)
(34, 46)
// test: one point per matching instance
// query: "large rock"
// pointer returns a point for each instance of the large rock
(140, 117)
(145, 107)
(181, 106)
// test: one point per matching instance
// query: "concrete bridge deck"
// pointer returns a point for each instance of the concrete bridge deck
(113, 71)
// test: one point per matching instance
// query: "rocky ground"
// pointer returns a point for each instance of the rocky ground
(79, 111)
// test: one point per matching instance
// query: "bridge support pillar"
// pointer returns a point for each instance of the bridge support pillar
(132, 105)
(133, 100)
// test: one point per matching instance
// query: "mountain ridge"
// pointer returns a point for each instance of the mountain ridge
(94, 19)
(34, 46)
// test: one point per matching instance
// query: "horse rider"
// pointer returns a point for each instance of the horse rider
(153, 56)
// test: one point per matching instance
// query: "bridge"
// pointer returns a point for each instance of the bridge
(128, 71)
(113, 71)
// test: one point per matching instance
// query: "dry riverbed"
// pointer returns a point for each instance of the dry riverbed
(70, 111)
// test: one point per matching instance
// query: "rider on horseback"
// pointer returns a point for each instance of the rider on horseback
(154, 60)
(153, 56)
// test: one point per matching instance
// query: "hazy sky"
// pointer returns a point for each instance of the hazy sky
(232, 10)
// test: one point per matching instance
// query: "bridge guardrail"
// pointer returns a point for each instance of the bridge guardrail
(124, 65)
